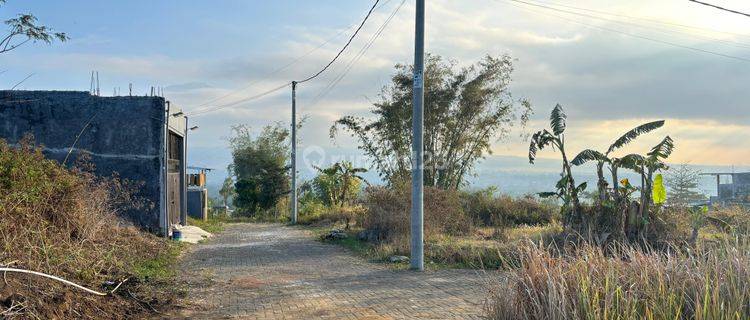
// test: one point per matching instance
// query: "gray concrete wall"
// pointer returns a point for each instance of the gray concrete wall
(125, 136)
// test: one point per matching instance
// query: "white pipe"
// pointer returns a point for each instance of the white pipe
(53, 278)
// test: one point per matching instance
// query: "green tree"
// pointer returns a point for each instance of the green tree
(338, 184)
(25, 28)
(465, 110)
(259, 167)
(227, 190)
(682, 182)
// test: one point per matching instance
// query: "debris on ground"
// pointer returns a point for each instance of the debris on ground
(335, 234)
(398, 259)
(192, 234)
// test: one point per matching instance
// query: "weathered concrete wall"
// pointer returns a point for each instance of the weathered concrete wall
(125, 135)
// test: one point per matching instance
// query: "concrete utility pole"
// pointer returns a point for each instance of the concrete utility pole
(294, 152)
(417, 178)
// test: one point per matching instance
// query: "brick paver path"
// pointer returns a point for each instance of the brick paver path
(269, 271)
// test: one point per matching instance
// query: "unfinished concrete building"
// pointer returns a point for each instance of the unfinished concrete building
(140, 138)
(732, 188)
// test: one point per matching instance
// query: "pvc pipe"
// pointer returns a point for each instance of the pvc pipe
(53, 278)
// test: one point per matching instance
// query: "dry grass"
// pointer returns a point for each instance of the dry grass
(451, 237)
(64, 222)
(388, 213)
(628, 284)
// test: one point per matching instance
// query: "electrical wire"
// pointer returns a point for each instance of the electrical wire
(627, 33)
(343, 48)
(255, 97)
(720, 8)
(286, 66)
(664, 31)
(251, 98)
(669, 23)
(356, 58)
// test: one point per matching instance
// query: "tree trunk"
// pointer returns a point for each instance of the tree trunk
(575, 206)
(615, 185)
(601, 183)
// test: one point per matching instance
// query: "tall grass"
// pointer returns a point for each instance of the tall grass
(388, 213)
(626, 283)
(65, 223)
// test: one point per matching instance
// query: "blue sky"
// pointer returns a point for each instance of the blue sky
(608, 81)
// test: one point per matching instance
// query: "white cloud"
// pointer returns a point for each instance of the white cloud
(600, 77)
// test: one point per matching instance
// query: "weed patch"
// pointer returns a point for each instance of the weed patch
(65, 223)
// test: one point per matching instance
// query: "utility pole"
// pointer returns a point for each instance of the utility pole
(294, 152)
(417, 164)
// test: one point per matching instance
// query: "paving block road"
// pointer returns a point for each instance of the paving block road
(271, 271)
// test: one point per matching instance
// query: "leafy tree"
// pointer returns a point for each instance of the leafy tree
(24, 28)
(465, 110)
(682, 182)
(567, 189)
(259, 167)
(227, 190)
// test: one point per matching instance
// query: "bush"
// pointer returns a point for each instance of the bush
(735, 218)
(388, 213)
(630, 284)
(486, 209)
(64, 222)
(316, 213)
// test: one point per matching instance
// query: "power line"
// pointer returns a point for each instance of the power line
(664, 31)
(286, 66)
(627, 33)
(255, 97)
(669, 23)
(356, 58)
(667, 32)
(345, 46)
(720, 8)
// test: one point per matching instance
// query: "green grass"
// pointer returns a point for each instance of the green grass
(360, 248)
(162, 267)
(445, 252)
(213, 225)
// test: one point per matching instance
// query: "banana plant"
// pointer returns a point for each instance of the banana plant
(339, 182)
(646, 166)
(567, 188)
(604, 158)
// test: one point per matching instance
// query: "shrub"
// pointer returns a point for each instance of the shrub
(630, 284)
(388, 213)
(486, 209)
(735, 218)
(63, 222)
(316, 213)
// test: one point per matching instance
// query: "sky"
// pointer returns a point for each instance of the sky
(611, 64)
